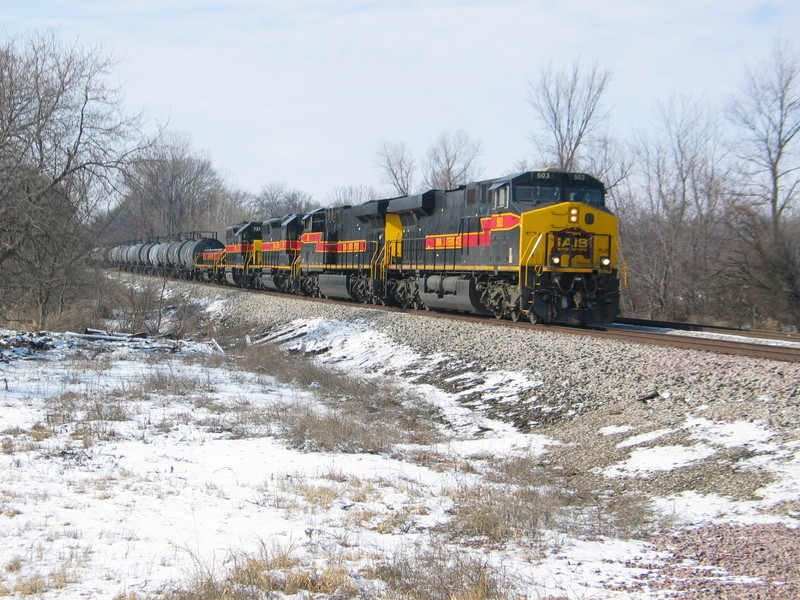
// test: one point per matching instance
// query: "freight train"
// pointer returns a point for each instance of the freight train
(539, 244)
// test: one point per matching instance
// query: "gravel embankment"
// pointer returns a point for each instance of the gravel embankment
(578, 373)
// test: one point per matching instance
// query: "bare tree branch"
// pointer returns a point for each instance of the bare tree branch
(452, 161)
(64, 140)
(567, 103)
(767, 113)
(397, 165)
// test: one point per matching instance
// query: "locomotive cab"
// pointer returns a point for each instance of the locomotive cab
(524, 192)
(279, 250)
(242, 241)
(569, 249)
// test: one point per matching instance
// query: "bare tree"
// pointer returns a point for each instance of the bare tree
(232, 206)
(452, 161)
(567, 103)
(612, 163)
(63, 139)
(673, 239)
(350, 195)
(766, 113)
(170, 189)
(277, 199)
(397, 165)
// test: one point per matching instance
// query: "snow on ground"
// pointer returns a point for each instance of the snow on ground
(123, 469)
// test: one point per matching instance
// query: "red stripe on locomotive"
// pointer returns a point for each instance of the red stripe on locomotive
(483, 238)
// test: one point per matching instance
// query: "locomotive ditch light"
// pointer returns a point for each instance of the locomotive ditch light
(573, 215)
(556, 260)
(605, 261)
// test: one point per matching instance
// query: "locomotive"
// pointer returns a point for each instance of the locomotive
(538, 244)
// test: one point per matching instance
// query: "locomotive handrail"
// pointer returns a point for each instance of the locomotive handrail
(377, 263)
(526, 265)
(296, 266)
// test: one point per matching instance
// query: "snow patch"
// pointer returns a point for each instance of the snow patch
(658, 458)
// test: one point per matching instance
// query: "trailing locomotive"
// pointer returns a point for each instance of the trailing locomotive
(538, 244)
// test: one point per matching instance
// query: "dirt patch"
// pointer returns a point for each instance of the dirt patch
(724, 561)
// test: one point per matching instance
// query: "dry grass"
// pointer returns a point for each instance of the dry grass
(32, 585)
(89, 415)
(441, 462)
(523, 497)
(374, 402)
(25, 440)
(359, 415)
(319, 430)
(261, 575)
(497, 514)
(320, 496)
(36, 584)
(70, 407)
(440, 572)
(173, 381)
(14, 565)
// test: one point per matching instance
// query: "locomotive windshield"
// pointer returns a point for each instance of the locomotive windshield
(588, 196)
(536, 194)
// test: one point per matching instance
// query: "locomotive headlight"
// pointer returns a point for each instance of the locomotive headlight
(573, 215)
(605, 261)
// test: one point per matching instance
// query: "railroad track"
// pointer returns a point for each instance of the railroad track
(756, 347)
(766, 347)
(694, 327)
(721, 340)
(761, 347)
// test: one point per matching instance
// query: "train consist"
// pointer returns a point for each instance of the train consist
(539, 244)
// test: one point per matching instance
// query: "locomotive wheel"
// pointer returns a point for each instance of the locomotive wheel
(533, 317)
(515, 313)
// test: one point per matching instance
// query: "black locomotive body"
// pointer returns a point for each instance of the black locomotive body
(276, 260)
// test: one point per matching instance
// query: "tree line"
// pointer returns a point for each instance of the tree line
(706, 198)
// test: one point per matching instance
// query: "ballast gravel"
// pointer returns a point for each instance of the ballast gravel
(577, 374)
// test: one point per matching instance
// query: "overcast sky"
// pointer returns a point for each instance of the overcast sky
(302, 91)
